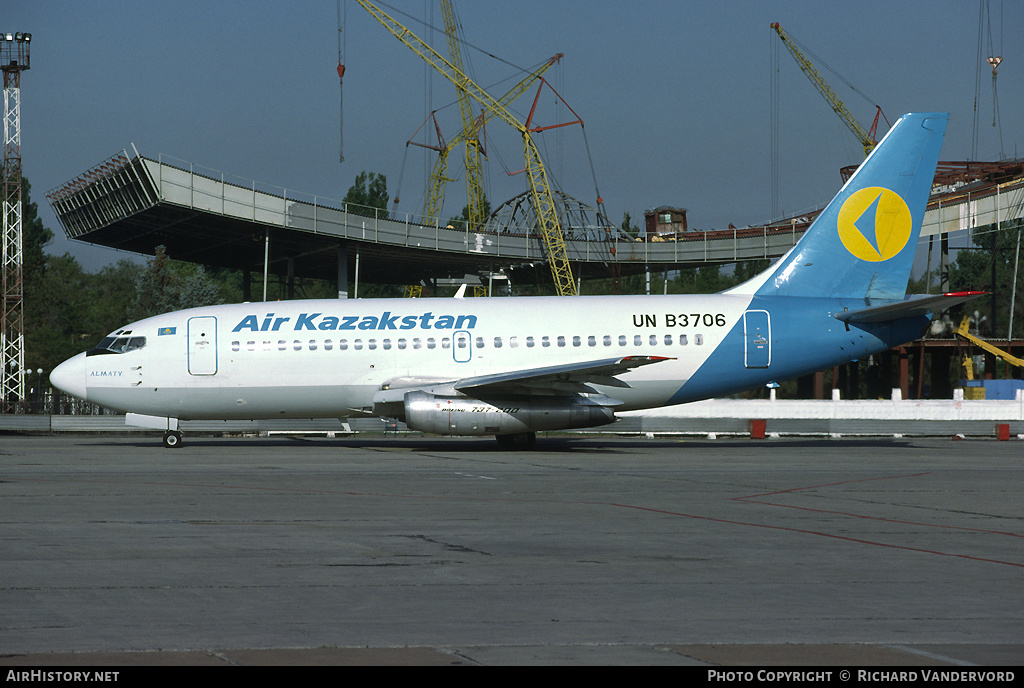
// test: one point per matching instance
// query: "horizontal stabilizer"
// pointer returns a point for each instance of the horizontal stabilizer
(914, 306)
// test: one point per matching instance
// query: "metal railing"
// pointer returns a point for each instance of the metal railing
(121, 186)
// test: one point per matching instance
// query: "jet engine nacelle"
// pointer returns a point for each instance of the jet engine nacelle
(443, 415)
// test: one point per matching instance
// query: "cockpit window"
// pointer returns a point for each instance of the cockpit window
(117, 345)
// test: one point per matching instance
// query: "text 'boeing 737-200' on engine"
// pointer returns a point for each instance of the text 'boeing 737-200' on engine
(510, 367)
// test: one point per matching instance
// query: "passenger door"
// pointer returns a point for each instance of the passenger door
(757, 337)
(462, 347)
(202, 345)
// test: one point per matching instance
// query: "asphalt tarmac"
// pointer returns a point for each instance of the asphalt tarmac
(589, 550)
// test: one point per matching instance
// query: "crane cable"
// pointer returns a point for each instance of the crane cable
(985, 22)
(773, 50)
(341, 78)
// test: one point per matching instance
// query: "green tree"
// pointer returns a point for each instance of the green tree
(56, 305)
(369, 195)
(972, 271)
(706, 279)
(167, 285)
(54, 289)
(35, 236)
(112, 294)
(748, 269)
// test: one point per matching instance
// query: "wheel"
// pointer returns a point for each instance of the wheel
(519, 441)
(172, 439)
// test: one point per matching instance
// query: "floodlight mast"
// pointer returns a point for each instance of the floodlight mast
(14, 59)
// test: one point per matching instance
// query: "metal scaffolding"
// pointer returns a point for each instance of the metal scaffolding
(14, 59)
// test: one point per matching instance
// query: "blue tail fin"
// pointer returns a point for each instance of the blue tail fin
(862, 245)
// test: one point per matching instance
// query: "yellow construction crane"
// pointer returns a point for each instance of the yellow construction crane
(540, 187)
(964, 331)
(867, 138)
(475, 199)
(439, 176)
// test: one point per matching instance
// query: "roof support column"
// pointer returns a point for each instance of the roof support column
(342, 270)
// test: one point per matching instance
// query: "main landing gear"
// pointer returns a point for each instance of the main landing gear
(172, 439)
(519, 441)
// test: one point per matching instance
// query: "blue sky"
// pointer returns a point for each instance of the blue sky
(675, 95)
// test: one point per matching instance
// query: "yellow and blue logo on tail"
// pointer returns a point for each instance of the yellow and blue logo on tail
(875, 224)
(862, 245)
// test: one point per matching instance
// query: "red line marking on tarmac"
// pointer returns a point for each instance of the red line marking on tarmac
(712, 519)
(822, 534)
(753, 499)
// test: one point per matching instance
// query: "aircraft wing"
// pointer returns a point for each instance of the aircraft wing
(913, 307)
(569, 377)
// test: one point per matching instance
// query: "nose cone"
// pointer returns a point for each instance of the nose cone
(69, 376)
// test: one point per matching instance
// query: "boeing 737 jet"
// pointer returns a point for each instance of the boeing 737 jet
(510, 367)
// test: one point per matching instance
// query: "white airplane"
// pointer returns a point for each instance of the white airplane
(510, 367)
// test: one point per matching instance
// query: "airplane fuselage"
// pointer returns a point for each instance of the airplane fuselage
(509, 367)
(325, 358)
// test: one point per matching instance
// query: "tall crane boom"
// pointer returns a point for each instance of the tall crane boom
(438, 177)
(475, 200)
(867, 140)
(540, 187)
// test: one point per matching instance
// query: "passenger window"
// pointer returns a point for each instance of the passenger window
(529, 342)
(497, 342)
(282, 345)
(235, 346)
(513, 342)
(446, 343)
(668, 340)
(622, 340)
(431, 344)
(607, 340)
(682, 340)
(297, 345)
(387, 344)
(357, 344)
(328, 345)
(654, 340)
(591, 340)
(250, 345)
(545, 341)
(479, 342)
(698, 339)
(401, 343)
(561, 340)
(638, 340)
(312, 345)
(416, 343)
(342, 344)
(371, 344)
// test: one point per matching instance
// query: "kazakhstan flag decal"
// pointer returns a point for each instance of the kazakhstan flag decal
(875, 224)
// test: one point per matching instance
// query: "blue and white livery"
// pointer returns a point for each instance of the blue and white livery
(510, 367)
